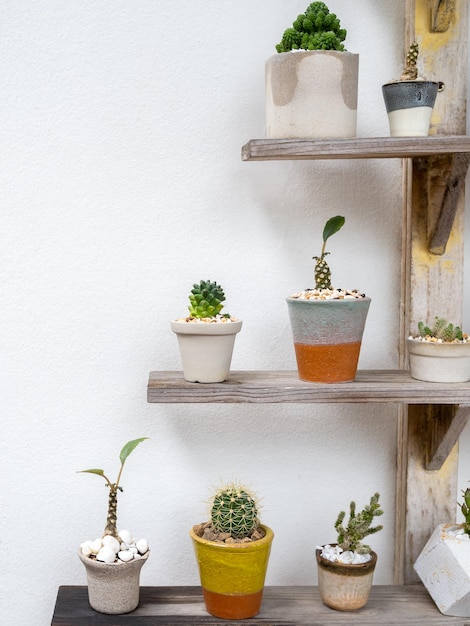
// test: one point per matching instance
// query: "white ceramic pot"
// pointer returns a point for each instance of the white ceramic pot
(311, 94)
(444, 568)
(206, 349)
(113, 588)
(439, 362)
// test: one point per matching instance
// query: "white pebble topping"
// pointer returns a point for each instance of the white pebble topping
(329, 294)
(337, 555)
(109, 550)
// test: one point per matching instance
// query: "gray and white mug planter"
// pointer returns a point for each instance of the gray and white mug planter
(409, 105)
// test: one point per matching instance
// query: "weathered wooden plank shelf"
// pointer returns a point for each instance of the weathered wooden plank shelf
(284, 386)
(282, 606)
(358, 148)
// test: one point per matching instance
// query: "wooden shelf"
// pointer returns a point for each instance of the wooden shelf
(358, 148)
(282, 606)
(284, 386)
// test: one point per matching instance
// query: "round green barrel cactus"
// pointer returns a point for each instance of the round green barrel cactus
(234, 511)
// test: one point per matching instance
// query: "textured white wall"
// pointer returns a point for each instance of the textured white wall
(122, 184)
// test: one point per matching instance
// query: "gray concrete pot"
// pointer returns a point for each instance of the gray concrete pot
(113, 588)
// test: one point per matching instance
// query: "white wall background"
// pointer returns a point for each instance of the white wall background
(121, 185)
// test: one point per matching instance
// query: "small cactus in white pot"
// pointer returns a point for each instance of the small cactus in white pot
(232, 551)
(206, 336)
(439, 353)
(346, 568)
(113, 561)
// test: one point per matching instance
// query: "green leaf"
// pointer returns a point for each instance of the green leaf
(130, 447)
(332, 226)
(100, 472)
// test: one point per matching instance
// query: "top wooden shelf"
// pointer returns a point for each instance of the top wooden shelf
(284, 386)
(358, 148)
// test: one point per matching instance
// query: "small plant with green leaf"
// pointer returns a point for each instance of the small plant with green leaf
(114, 544)
(359, 526)
(442, 331)
(465, 508)
(206, 300)
(316, 29)
(322, 269)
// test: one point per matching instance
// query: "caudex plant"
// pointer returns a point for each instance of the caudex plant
(441, 331)
(206, 300)
(316, 29)
(359, 526)
(465, 508)
(322, 269)
(115, 487)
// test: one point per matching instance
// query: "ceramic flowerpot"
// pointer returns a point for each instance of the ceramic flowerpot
(113, 588)
(327, 337)
(232, 574)
(409, 105)
(206, 349)
(444, 568)
(345, 587)
(311, 94)
(439, 362)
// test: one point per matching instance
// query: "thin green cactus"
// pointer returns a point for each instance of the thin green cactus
(322, 269)
(410, 71)
(206, 300)
(359, 526)
(441, 330)
(234, 511)
(465, 508)
(316, 29)
(111, 518)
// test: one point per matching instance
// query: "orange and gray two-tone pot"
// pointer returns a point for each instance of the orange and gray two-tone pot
(232, 574)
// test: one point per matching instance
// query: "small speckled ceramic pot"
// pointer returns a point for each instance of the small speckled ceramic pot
(409, 105)
(232, 574)
(113, 588)
(345, 587)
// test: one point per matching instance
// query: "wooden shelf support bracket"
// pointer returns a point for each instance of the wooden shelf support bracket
(444, 425)
(442, 13)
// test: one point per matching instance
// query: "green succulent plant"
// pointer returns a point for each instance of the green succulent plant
(441, 330)
(316, 29)
(322, 269)
(359, 526)
(111, 518)
(465, 508)
(234, 510)
(410, 71)
(206, 299)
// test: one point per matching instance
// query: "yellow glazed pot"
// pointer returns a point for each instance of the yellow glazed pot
(232, 575)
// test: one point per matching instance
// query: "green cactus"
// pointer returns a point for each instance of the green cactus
(111, 518)
(322, 269)
(206, 299)
(316, 29)
(465, 508)
(411, 71)
(441, 330)
(234, 511)
(359, 526)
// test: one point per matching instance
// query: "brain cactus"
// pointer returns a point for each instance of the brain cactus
(234, 511)
(322, 270)
(206, 299)
(316, 29)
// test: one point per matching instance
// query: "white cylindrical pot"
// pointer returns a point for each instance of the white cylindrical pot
(439, 362)
(311, 94)
(206, 349)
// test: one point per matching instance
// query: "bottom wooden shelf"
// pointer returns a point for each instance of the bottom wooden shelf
(282, 606)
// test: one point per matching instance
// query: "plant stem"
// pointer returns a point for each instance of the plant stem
(111, 518)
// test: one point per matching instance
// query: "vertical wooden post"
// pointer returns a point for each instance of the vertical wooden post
(432, 283)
